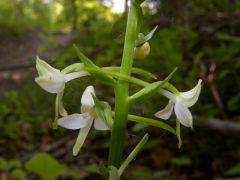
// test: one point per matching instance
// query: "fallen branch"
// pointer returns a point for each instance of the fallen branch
(221, 126)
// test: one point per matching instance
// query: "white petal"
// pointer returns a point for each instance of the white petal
(168, 94)
(75, 121)
(87, 100)
(189, 98)
(100, 125)
(81, 137)
(183, 114)
(166, 112)
(61, 109)
(53, 83)
(44, 68)
(192, 92)
(75, 75)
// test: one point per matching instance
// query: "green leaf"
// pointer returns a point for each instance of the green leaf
(141, 40)
(141, 174)
(17, 174)
(91, 169)
(149, 90)
(233, 171)
(3, 164)
(160, 174)
(104, 112)
(133, 154)
(113, 173)
(151, 122)
(45, 166)
(73, 173)
(181, 161)
(14, 163)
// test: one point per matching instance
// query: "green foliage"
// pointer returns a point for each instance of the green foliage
(24, 14)
(17, 174)
(45, 166)
(18, 108)
(13, 167)
(181, 161)
(233, 171)
(141, 174)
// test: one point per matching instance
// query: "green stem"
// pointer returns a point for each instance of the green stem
(121, 90)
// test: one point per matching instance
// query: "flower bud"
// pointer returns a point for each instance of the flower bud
(142, 51)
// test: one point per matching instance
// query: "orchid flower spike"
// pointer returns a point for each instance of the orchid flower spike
(53, 81)
(83, 121)
(180, 102)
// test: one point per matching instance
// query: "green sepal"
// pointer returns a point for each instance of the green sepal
(104, 112)
(88, 63)
(133, 154)
(151, 122)
(141, 40)
(103, 170)
(150, 90)
(113, 173)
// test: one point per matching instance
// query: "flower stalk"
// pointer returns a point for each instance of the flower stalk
(122, 89)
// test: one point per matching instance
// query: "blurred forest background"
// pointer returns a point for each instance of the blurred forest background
(200, 37)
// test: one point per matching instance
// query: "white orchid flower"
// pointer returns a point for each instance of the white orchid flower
(53, 81)
(180, 103)
(83, 121)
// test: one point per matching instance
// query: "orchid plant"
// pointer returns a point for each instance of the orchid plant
(99, 113)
